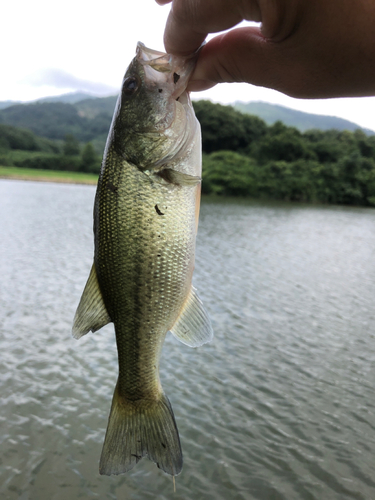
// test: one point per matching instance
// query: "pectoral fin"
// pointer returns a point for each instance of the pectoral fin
(91, 313)
(193, 326)
(179, 178)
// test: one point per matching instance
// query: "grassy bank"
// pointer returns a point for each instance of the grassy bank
(29, 174)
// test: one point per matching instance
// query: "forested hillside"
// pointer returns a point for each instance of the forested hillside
(272, 113)
(22, 148)
(54, 120)
(243, 156)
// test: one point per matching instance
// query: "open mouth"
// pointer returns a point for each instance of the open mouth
(162, 68)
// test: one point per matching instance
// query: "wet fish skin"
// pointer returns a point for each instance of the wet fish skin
(145, 222)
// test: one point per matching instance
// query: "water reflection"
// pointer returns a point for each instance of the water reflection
(280, 405)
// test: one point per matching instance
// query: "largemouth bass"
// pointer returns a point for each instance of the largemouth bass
(145, 223)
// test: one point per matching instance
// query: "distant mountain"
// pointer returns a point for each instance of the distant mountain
(53, 118)
(6, 104)
(88, 118)
(272, 113)
(90, 108)
(70, 98)
(46, 119)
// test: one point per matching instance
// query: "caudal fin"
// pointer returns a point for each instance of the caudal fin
(137, 429)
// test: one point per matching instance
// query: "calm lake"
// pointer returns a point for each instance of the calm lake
(279, 406)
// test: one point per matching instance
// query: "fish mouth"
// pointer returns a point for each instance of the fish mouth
(170, 71)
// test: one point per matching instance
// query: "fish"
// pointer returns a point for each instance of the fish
(146, 213)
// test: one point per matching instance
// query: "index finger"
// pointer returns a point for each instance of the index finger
(190, 21)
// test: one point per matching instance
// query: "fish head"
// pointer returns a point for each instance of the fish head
(154, 123)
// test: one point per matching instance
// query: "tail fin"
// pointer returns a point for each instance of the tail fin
(137, 429)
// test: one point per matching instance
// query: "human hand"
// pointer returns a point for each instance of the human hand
(306, 49)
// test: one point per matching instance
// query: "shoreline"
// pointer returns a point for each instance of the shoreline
(46, 179)
(18, 174)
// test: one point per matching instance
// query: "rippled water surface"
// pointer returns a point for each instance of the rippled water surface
(279, 406)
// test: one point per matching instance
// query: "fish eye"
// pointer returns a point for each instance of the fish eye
(131, 85)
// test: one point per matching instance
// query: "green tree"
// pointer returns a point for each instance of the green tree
(89, 159)
(355, 183)
(366, 144)
(50, 162)
(229, 174)
(224, 128)
(282, 143)
(25, 140)
(71, 145)
(292, 181)
(4, 143)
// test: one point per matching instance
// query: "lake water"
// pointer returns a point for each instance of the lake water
(279, 406)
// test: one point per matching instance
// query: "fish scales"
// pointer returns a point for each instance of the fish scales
(145, 222)
(153, 267)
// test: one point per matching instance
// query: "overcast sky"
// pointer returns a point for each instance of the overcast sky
(50, 48)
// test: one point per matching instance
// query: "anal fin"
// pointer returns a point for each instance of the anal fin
(193, 326)
(91, 314)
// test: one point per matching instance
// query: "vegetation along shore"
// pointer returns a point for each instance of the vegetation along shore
(29, 174)
(242, 154)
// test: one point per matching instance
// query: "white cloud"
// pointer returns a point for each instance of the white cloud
(60, 79)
